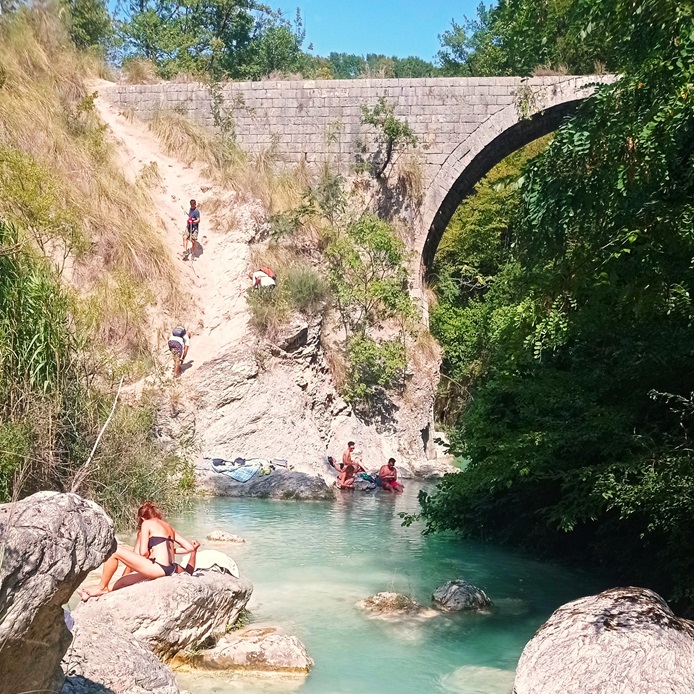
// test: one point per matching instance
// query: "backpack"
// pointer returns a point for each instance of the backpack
(268, 272)
(178, 331)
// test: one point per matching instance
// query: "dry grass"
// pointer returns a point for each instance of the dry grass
(410, 177)
(549, 71)
(47, 114)
(139, 71)
(300, 289)
(253, 175)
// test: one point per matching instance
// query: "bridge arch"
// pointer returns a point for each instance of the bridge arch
(493, 140)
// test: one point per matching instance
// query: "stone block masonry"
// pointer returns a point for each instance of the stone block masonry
(464, 126)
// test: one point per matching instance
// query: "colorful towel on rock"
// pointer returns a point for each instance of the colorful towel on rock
(240, 470)
(243, 473)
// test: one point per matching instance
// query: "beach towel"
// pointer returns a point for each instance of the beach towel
(243, 473)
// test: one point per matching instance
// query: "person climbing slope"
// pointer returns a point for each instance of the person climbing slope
(191, 232)
(178, 346)
(263, 278)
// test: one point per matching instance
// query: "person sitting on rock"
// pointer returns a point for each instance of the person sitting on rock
(154, 555)
(345, 478)
(389, 477)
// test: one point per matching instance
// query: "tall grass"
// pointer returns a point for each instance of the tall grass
(80, 266)
(254, 176)
(58, 177)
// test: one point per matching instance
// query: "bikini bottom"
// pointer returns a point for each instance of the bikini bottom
(168, 569)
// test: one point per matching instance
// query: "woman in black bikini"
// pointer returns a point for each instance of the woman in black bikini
(154, 555)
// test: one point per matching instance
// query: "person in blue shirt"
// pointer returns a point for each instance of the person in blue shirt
(191, 232)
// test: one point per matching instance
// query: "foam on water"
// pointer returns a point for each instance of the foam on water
(310, 563)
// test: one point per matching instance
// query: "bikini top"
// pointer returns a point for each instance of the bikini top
(157, 540)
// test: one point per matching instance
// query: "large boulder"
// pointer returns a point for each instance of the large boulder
(256, 650)
(622, 641)
(280, 484)
(51, 542)
(173, 612)
(460, 595)
(105, 658)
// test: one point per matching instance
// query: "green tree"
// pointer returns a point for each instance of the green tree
(369, 282)
(413, 66)
(89, 23)
(518, 36)
(347, 65)
(392, 134)
(579, 430)
(217, 38)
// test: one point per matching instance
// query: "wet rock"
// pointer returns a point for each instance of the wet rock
(51, 542)
(105, 658)
(256, 650)
(171, 613)
(280, 484)
(460, 595)
(390, 604)
(621, 641)
(223, 536)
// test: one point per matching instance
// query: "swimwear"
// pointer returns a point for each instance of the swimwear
(168, 569)
(155, 540)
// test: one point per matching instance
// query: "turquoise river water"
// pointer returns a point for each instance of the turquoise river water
(311, 562)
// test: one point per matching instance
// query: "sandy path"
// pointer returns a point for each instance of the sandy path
(215, 281)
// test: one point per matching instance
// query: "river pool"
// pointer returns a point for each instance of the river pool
(311, 562)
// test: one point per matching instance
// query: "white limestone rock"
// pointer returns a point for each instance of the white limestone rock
(223, 536)
(622, 641)
(256, 650)
(173, 612)
(50, 543)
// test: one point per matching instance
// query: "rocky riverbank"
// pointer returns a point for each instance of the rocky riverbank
(120, 642)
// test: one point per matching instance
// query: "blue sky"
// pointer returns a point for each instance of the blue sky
(393, 27)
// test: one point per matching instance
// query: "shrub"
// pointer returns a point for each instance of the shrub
(305, 288)
(373, 366)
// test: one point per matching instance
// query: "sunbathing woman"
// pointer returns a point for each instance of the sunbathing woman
(154, 555)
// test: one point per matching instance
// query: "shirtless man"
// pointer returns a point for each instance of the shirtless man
(389, 477)
(345, 479)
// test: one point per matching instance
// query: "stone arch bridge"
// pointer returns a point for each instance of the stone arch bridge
(464, 126)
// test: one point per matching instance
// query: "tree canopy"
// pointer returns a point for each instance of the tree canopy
(571, 321)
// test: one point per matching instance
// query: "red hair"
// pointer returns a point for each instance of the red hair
(147, 511)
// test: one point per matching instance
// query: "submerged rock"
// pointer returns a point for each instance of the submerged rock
(622, 641)
(171, 613)
(460, 595)
(478, 679)
(390, 604)
(256, 650)
(105, 658)
(223, 536)
(280, 484)
(51, 542)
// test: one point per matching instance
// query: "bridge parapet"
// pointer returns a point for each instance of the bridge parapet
(463, 125)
